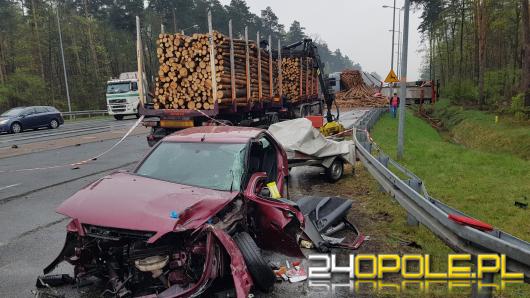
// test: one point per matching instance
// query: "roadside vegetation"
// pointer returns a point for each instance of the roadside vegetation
(99, 43)
(480, 130)
(483, 184)
(476, 180)
(479, 52)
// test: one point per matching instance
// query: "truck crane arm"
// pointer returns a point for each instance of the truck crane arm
(310, 49)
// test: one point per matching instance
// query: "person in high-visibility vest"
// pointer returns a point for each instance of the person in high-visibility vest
(394, 104)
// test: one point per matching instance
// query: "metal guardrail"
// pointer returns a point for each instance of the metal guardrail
(88, 113)
(412, 195)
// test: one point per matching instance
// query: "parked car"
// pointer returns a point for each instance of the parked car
(189, 219)
(19, 119)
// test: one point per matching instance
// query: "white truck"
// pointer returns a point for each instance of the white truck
(122, 95)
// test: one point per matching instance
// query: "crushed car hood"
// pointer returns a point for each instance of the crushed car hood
(132, 202)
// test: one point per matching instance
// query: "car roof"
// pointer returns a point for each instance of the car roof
(229, 134)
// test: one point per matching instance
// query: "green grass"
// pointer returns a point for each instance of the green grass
(477, 129)
(482, 184)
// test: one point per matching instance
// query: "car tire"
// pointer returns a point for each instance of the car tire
(335, 170)
(15, 127)
(118, 117)
(260, 271)
(54, 124)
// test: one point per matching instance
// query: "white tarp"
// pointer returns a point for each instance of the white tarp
(300, 135)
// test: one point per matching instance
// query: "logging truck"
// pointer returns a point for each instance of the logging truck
(122, 95)
(213, 79)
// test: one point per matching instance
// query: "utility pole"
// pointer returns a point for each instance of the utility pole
(403, 82)
(399, 43)
(393, 35)
(64, 65)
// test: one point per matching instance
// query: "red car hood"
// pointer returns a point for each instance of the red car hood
(132, 202)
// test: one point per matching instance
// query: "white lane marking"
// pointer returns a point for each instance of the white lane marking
(9, 186)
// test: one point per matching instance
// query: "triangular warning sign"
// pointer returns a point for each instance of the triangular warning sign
(391, 77)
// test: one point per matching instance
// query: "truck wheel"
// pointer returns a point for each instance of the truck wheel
(335, 171)
(261, 273)
(118, 117)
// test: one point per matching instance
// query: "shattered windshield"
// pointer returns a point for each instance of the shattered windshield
(209, 165)
(118, 88)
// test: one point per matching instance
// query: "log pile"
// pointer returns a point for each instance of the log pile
(357, 93)
(185, 77)
(298, 78)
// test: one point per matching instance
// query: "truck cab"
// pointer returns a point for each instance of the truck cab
(122, 95)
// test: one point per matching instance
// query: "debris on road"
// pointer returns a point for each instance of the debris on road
(292, 272)
(358, 94)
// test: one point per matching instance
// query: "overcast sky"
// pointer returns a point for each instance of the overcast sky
(360, 28)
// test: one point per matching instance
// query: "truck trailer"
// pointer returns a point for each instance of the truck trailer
(261, 99)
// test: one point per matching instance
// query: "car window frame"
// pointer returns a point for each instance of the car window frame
(25, 113)
(42, 110)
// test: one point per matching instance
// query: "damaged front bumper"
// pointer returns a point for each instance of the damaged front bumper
(212, 267)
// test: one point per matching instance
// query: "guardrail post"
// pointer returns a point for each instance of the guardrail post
(416, 185)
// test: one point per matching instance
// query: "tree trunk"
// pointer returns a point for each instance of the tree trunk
(525, 75)
(462, 19)
(37, 37)
(2, 62)
(482, 23)
(91, 40)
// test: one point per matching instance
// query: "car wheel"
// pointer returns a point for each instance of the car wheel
(261, 273)
(118, 117)
(16, 127)
(54, 124)
(335, 171)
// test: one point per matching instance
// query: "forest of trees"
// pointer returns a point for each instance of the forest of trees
(99, 43)
(479, 50)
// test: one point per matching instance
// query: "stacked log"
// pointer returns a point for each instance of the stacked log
(298, 77)
(357, 93)
(185, 76)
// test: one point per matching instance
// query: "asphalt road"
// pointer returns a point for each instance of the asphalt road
(68, 130)
(32, 234)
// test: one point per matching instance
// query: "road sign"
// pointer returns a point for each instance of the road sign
(391, 77)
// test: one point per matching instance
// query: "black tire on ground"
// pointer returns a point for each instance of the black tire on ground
(15, 127)
(118, 117)
(335, 171)
(54, 124)
(261, 273)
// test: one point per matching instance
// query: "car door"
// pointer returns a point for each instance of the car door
(277, 220)
(43, 117)
(29, 118)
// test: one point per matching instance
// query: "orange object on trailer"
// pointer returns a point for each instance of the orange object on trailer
(318, 121)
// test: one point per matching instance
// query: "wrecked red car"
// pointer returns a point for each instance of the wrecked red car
(188, 220)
